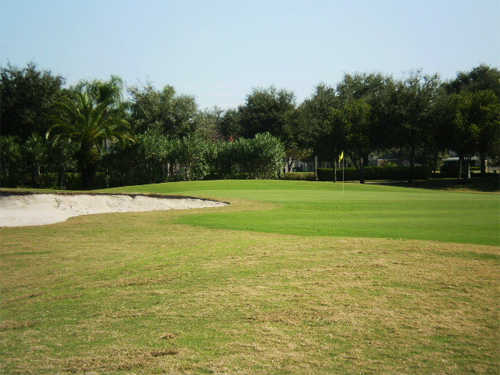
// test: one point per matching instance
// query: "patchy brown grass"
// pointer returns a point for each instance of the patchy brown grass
(134, 293)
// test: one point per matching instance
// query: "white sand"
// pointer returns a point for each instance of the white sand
(41, 209)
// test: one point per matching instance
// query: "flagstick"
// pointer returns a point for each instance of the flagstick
(343, 179)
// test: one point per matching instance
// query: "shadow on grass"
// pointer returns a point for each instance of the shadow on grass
(489, 183)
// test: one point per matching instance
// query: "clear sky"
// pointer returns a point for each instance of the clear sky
(218, 50)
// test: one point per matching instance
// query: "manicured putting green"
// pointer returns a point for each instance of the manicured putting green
(328, 209)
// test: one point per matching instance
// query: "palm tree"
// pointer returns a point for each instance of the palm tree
(93, 118)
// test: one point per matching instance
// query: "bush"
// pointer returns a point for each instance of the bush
(449, 169)
(152, 158)
(375, 173)
(259, 157)
(192, 154)
(304, 176)
(10, 160)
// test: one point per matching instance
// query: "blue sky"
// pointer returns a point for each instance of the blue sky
(218, 51)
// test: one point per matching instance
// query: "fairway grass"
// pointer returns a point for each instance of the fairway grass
(145, 293)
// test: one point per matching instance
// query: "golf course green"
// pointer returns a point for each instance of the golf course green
(352, 210)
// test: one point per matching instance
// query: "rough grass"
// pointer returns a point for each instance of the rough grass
(139, 293)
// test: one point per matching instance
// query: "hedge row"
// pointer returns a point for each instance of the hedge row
(304, 176)
(375, 173)
(152, 158)
(371, 173)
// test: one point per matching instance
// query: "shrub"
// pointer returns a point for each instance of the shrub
(10, 159)
(192, 154)
(304, 176)
(375, 173)
(259, 157)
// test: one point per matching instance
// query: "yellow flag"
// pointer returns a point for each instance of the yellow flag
(341, 156)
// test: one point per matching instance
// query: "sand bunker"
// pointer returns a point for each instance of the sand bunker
(40, 209)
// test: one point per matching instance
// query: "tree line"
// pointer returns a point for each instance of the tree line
(100, 133)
